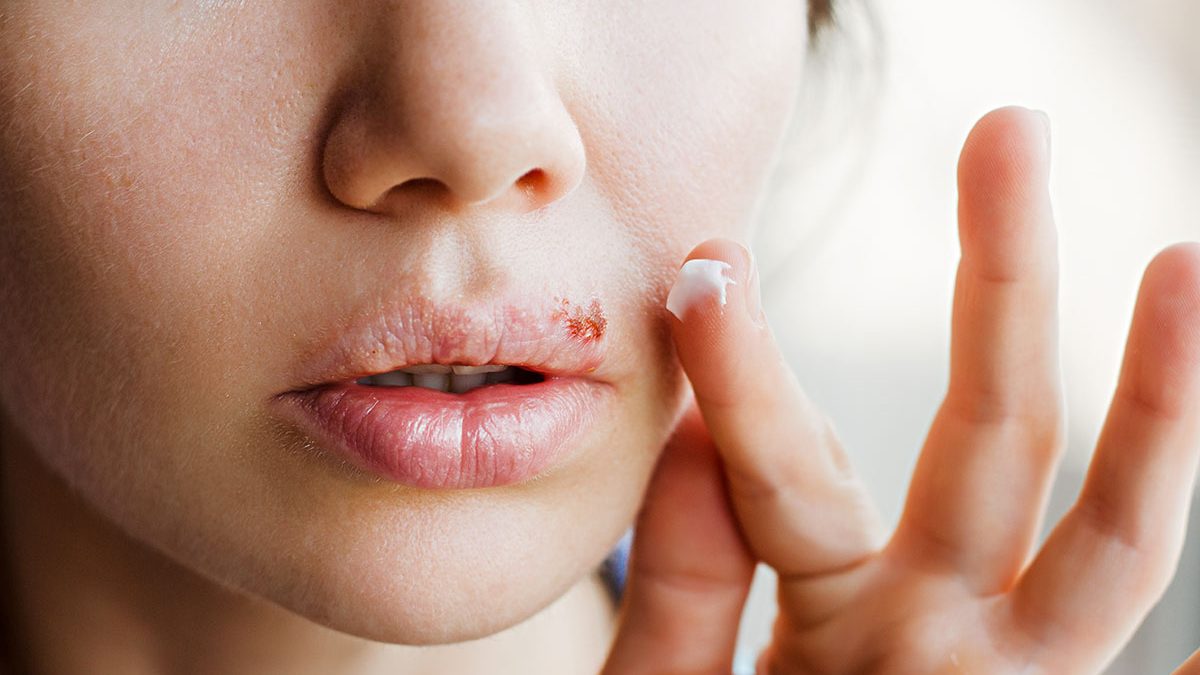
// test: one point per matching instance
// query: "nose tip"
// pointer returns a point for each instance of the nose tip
(526, 167)
(484, 126)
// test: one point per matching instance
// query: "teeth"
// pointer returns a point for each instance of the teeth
(463, 383)
(501, 376)
(456, 379)
(427, 369)
(395, 378)
(436, 381)
(471, 370)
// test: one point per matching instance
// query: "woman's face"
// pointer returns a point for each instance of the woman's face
(200, 201)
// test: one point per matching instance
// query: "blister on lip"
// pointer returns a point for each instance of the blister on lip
(544, 336)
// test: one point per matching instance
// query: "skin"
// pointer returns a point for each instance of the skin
(196, 197)
(755, 472)
(192, 197)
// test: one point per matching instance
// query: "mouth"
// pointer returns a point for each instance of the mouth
(457, 378)
(456, 397)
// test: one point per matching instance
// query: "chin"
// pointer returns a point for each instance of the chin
(420, 567)
(443, 578)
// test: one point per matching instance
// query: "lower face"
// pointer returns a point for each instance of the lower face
(171, 262)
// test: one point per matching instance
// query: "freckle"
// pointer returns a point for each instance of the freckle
(584, 324)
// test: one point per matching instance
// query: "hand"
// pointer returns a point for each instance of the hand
(754, 472)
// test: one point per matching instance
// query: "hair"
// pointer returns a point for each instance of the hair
(825, 150)
(820, 15)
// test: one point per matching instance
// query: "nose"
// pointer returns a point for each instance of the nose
(454, 101)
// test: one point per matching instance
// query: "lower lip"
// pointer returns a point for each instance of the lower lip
(494, 435)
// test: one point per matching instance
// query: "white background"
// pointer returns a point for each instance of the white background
(861, 300)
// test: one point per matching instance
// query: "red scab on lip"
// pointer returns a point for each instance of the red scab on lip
(586, 324)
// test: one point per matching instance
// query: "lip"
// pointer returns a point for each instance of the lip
(491, 436)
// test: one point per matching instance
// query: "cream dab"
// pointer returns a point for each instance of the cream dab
(699, 279)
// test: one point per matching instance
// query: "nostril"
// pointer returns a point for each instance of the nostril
(427, 186)
(534, 185)
(429, 190)
(533, 182)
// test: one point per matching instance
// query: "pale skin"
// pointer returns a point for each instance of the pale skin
(194, 195)
(756, 473)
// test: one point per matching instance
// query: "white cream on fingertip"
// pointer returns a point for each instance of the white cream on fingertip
(699, 279)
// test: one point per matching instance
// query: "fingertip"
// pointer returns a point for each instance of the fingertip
(1171, 289)
(1006, 223)
(1165, 339)
(1007, 150)
(1005, 219)
(1177, 268)
(719, 330)
(720, 248)
(701, 287)
(716, 275)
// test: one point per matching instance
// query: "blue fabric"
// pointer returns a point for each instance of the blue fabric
(615, 568)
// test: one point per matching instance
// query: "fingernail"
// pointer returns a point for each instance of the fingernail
(1045, 120)
(698, 280)
(753, 291)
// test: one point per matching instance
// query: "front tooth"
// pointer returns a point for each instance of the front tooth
(438, 381)
(501, 376)
(463, 383)
(471, 370)
(426, 369)
(394, 379)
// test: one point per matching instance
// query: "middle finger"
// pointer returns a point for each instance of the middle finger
(981, 483)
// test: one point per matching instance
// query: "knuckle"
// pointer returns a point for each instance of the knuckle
(1146, 556)
(1155, 408)
(1041, 422)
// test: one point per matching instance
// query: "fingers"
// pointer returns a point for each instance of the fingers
(983, 478)
(689, 571)
(1113, 554)
(799, 504)
(1191, 666)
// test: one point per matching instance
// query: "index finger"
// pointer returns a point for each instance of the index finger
(799, 503)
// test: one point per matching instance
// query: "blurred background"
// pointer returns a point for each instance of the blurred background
(858, 242)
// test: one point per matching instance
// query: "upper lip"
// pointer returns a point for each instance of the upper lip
(532, 334)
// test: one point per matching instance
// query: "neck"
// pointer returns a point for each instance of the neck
(84, 597)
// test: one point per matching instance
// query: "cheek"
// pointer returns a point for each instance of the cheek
(685, 119)
(142, 256)
(128, 204)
